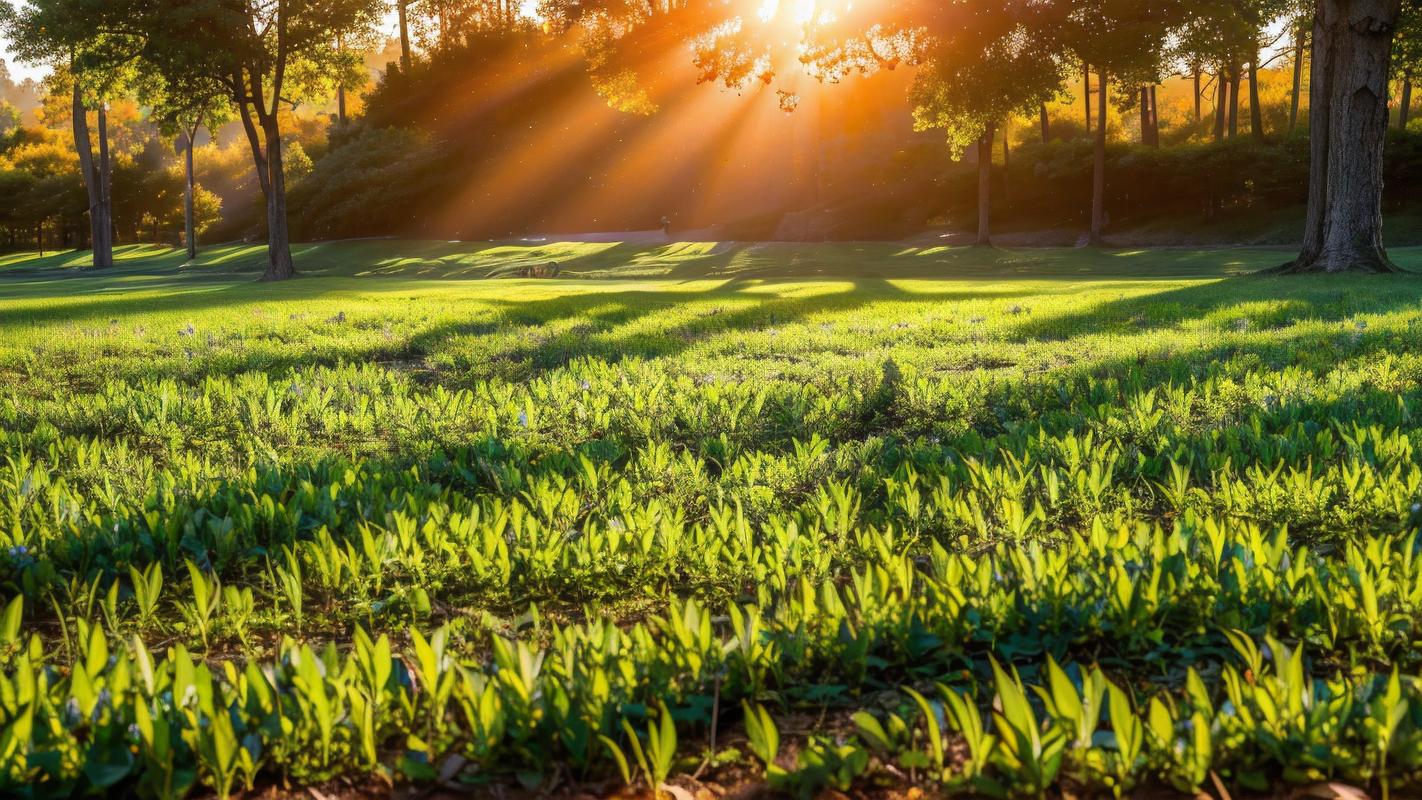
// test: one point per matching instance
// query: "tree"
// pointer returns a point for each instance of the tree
(1120, 37)
(1407, 55)
(979, 62)
(979, 67)
(10, 118)
(181, 110)
(1296, 94)
(1348, 120)
(93, 63)
(265, 54)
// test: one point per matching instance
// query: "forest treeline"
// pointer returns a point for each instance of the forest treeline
(188, 119)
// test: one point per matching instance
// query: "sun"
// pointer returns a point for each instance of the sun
(797, 12)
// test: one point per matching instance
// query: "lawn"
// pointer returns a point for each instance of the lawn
(706, 516)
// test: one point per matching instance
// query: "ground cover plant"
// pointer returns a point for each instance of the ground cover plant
(999, 523)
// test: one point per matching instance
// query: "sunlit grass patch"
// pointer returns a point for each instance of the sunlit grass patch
(820, 480)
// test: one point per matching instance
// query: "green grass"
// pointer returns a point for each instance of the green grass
(800, 476)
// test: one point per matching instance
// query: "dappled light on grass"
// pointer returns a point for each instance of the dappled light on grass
(805, 475)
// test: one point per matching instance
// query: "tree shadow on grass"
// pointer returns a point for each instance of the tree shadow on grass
(662, 325)
(751, 289)
(1251, 303)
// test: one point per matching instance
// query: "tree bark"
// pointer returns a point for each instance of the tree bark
(1256, 113)
(88, 171)
(985, 186)
(1046, 126)
(1348, 120)
(279, 262)
(1298, 80)
(189, 221)
(106, 195)
(1098, 177)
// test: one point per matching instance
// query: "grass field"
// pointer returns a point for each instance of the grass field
(709, 516)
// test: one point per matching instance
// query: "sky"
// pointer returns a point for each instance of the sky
(18, 70)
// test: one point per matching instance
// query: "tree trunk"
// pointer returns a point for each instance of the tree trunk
(106, 195)
(1154, 120)
(1098, 177)
(1234, 102)
(92, 185)
(279, 262)
(1221, 102)
(341, 85)
(1298, 80)
(1199, 106)
(1256, 113)
(1404, 111)
(1145, 116)
(1046, 126)
(189, 223)
(985, 187)
(405, 58)
(1348, 120)
(1087, 94)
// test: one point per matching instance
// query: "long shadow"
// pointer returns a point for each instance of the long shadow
(612, 327)
(1250, 303)
(747, 288)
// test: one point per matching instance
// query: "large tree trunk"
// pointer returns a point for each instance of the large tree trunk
(1256, 113)
(1098, 177)
(1046, 126)
(985, 186)
(85, 148)
(1348, 119)
(279, 262)
(189, 221)
(1298, 79)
